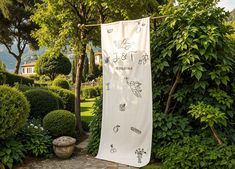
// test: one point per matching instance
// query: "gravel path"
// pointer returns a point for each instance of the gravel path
(80, 160)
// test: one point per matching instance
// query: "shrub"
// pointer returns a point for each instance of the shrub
(195, 152)
(11, 151)
(11, 79)
(23, 87)
(91, 92)
(67, 96)
(14, 111)
(52, 66)
(61, 82)
(60, 122)
(36, 140)
(42, 102)
(168, 128)
(95, 127)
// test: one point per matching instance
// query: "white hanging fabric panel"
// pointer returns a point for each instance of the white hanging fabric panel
(126, 133)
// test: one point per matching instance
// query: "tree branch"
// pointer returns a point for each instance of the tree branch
(9, 50)
(177, 79)
(216, 136)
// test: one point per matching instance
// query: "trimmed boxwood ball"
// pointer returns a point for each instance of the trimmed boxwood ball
(60, 123)
(42, 102)
(61, 82)
(14, 111)
(67, 96)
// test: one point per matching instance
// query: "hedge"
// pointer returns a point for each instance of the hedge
(11, 79)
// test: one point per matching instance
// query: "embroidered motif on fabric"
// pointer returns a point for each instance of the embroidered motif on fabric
(135, 87)
(140, 152)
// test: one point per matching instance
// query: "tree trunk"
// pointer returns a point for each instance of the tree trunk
(78, 81)
(216, 136)
(18, 61)
(177, 79)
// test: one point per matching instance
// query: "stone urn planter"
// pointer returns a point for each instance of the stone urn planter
(64, 146)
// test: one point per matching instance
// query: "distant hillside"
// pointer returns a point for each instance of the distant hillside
(10, 61)
(232, 15)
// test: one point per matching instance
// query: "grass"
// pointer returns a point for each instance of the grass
(152, 166)
(86, 109)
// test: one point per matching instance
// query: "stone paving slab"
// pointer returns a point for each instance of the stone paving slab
(76, 162)
(80, 160)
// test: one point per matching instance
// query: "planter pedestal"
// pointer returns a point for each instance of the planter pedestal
(64, 146)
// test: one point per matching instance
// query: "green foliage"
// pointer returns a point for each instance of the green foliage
(95, 127)
(67, 96)
(14, 111)
(22, 87)
(11, 79)
(91, 91)
(41, 102)
(36, 140)
(52, 66)
(11, 152)
(60, 123)
(2, 66)
(191, 49)
(61, 82)
(195, 152)
(16, 30)
(207, 114)
(168, 128)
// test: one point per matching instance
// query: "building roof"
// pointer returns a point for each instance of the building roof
(29, 64)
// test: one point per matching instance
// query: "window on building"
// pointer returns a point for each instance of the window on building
(29, 70)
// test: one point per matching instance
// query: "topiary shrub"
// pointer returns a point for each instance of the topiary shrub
(42, 102)
(61, 82)
(67, 96)
(95, 127)
(14, 111)
(59, 123)
(52, 66)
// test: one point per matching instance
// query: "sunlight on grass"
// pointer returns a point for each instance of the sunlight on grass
(86, 109)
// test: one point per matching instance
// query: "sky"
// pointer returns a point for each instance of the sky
(229, 5)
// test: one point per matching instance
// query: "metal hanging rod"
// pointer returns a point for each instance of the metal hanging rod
(98, 24)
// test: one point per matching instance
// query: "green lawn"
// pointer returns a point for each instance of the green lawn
(86, 109)
(152, 166)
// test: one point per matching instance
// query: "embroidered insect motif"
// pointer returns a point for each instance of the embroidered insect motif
(140, 152)
(135, 87)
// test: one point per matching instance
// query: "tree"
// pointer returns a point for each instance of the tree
(92, 66)
(2, 66)
(58, 22)
(16, 27)
(86, 68)
(193, 59)
(53, 66)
